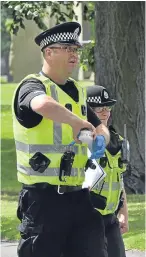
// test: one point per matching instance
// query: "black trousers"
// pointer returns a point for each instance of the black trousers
(114, 240)
(53, 225)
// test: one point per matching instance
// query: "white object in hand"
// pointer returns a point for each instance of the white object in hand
(86, 138)
(93, 176)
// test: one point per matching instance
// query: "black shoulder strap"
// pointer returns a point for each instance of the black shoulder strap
(115, 143)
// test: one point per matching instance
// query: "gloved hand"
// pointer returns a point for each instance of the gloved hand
(98, 147)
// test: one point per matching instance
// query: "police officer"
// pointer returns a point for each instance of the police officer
(112, 186)
(49, 110)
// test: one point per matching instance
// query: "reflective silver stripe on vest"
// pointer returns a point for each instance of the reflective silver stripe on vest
(84, 150)
(105, 187)
(82, 172)
(51, 172)
(102, 186)
(83, 95)
(43, 148)
(116, 186)
(110, 206)
(57, 128)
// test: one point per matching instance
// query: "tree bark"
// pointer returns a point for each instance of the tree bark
(119, 64)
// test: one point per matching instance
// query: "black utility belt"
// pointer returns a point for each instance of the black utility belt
(61, 189)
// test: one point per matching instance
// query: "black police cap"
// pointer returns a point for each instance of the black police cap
(64, 33)
(98, 96)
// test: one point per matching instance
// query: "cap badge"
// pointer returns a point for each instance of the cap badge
(76, 32)
(106, 95)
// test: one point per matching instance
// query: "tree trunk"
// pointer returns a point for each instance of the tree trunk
(119, 64)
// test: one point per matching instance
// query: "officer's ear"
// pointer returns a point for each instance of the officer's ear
(47, 52)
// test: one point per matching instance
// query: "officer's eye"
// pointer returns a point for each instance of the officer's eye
(73, 50)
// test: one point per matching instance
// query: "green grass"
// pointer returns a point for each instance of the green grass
(135, 238)
(10, 187)
(9, 182)
(9, 222)
(6, 93)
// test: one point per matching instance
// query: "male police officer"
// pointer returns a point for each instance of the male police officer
(49, 111)
(112, 186)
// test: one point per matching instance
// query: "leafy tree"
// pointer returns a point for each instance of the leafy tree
(37, 11)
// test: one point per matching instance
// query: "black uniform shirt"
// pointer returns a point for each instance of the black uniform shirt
(33, 87)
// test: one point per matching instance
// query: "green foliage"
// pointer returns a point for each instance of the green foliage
(37, 11)
(88, 11)
(87, 56)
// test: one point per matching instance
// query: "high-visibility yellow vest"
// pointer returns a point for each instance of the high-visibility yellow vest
(51, 139)
(112, 185)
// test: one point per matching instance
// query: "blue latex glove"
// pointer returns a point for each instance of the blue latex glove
(98, 147)
(73, 142)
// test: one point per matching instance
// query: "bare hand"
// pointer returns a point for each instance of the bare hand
(80, 124)
(123, 222)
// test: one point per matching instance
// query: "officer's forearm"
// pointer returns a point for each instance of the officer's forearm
(103, 130)
(124, 209)
(50, 109)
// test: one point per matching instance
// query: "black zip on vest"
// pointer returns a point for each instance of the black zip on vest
(120, 163)
(83, 110)
(103, 161)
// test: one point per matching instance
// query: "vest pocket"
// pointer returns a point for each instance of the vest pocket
(29, 206)
(22, 203)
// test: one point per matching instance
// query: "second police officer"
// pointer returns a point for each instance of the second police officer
(112, 186)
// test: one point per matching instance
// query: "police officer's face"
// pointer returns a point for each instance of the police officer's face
(64, 57)
(103, 113)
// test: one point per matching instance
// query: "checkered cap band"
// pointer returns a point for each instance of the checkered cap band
(65, 36)
(94, 99)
